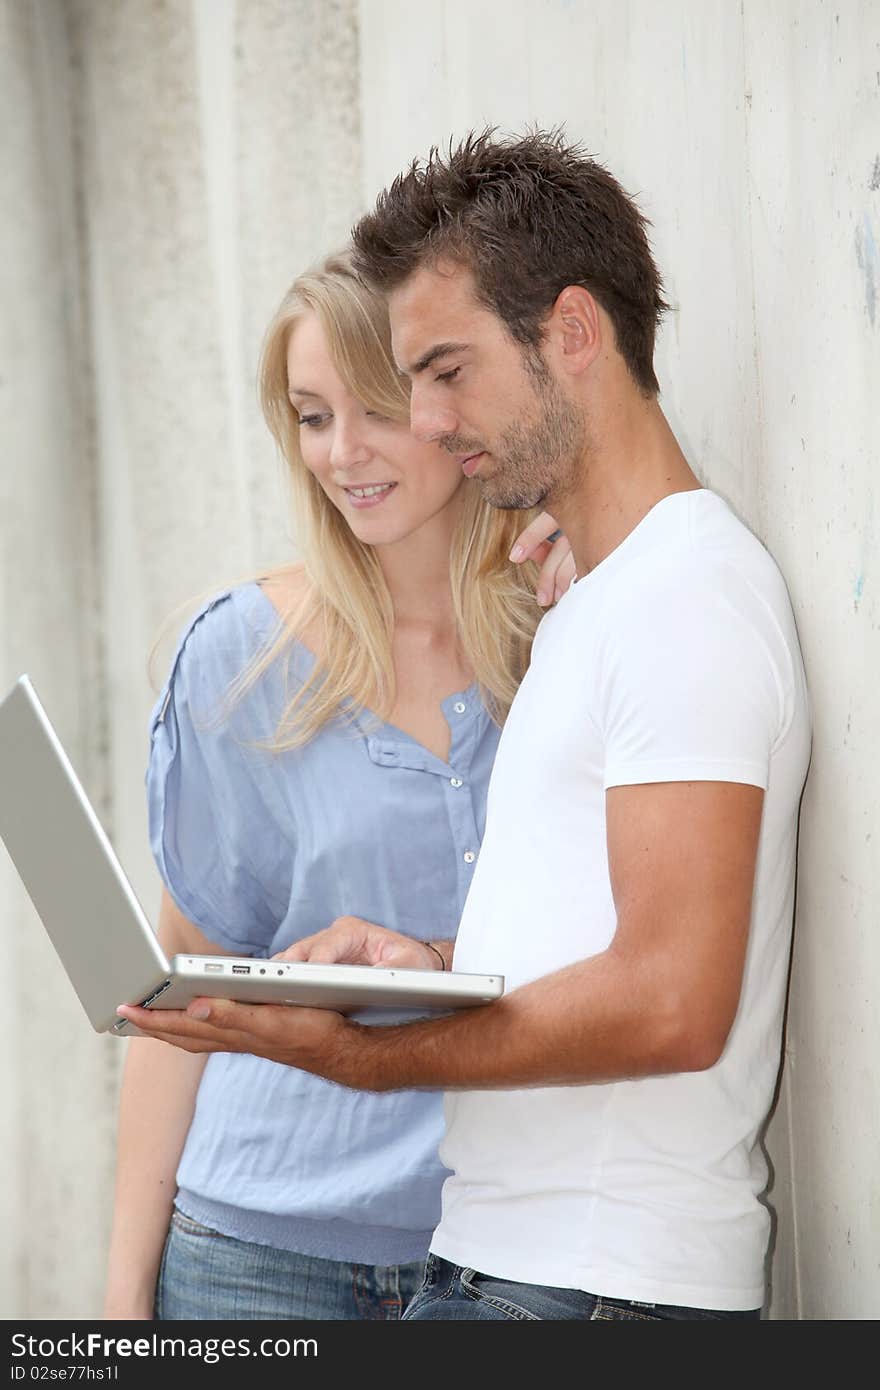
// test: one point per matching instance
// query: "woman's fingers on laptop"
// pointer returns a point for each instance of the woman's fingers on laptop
(354, 941)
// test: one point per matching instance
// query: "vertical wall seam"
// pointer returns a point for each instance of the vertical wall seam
(215, 41)
(792, 1182)
(93, 620)
(756, 517)
(758, 522)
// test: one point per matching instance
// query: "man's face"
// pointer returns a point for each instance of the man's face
(485, 399)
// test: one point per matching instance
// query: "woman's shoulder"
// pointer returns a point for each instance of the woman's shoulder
(220, 635)
(221, 624)
(285, 588)
(289, 591)
(234, 626)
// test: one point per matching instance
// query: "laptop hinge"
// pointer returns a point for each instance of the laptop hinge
(144, 1004)
(155, 995)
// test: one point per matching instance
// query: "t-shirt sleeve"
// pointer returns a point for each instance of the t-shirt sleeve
(211, 834)
(691, 682)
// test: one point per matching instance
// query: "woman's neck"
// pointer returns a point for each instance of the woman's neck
(416, 570)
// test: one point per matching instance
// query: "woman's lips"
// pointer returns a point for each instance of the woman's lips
(470, 465)
(370, 495)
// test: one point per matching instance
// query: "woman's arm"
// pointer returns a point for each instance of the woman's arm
(157, 1099)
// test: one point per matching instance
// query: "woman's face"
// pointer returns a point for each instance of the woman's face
(385, 483)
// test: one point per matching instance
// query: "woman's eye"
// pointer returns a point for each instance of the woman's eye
(448, 376)
(313, 421)
(376, 415)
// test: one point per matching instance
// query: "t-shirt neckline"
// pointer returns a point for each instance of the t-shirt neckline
(638, 531)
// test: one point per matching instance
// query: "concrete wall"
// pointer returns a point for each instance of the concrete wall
(57, 1077)
(168, 166)
(750, 134)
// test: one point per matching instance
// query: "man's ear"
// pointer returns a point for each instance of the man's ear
(575, 328)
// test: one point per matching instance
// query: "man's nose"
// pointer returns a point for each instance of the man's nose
(430, 419)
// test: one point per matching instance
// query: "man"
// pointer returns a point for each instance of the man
(635, 884)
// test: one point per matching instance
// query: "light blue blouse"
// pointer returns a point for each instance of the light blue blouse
(259, 849)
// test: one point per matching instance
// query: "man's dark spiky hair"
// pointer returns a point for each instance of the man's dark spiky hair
(527, 215)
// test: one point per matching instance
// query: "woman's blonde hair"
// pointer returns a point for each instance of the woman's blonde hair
(346, 598)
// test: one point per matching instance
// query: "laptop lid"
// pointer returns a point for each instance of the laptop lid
(67, 864)
(101, 933)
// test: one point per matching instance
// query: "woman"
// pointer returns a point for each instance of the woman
(322, 747)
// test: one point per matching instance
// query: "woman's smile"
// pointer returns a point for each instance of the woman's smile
(368, 494)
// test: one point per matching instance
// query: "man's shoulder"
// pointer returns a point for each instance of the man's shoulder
(696, 564)
(715, 559)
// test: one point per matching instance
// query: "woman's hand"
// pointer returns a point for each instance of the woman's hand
(544, 543)
(352, 941)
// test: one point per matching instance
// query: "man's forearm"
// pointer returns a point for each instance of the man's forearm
(630, 1011)
(662, 997)
(590, 1022)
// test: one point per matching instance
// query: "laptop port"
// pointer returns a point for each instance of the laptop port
(241, 970)
(215, 968)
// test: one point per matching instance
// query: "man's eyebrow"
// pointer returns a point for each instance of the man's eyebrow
(440, 350)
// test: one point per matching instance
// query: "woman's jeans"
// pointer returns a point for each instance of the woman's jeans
(209, 1276)
(459, 1295)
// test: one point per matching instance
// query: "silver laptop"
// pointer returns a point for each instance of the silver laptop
(102, 936)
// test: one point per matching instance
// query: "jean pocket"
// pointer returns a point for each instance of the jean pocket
(188, 1227)
(614, 1310)
(499, 1293)
(431, 1274)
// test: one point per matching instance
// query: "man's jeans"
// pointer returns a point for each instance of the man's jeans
(206, 1275)
(459, 1295)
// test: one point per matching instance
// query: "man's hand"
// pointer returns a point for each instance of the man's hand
(660, 998)
(352, 941)
(315, 1040)
(542, 542)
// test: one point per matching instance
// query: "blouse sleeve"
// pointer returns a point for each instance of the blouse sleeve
(216, 844)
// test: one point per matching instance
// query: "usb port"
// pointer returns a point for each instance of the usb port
(216, 969)
(241, 970)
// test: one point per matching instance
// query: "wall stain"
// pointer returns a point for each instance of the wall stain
(869, 264)
(875, 176)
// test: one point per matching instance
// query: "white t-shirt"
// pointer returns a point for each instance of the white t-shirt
(675, 659)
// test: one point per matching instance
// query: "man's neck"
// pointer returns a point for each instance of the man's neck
(633, 463)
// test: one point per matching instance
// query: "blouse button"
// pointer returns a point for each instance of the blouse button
(459, 707)
(455, 782)
(469, 856)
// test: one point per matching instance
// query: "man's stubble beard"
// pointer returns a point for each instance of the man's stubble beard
(541, 458)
